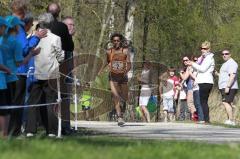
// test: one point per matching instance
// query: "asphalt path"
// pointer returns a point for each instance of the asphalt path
(165, 131)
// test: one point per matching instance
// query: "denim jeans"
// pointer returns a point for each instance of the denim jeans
(168, 104)
(184, 112)
(197, 103)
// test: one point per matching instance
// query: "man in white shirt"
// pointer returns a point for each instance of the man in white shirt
(227, 84)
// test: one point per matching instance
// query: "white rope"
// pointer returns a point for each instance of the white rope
(74, 79)
(31, 73)
(26, 106)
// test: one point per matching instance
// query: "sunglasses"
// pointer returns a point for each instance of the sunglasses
(202, 48)
(185, 60)
(225, 54)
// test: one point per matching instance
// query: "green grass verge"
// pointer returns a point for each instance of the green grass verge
(79, 147)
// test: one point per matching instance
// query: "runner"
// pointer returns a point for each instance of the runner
(118, 59)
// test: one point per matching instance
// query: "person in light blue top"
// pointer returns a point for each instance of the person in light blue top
(4, 118)
(13, 53)
(3, 68)
(13, 57)
(12, 48)
(18, 9)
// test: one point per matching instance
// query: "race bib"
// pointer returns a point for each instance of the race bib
(117, 65)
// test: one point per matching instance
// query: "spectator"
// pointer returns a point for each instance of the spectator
(70, 24)
(228, 84)
(181, 89)
(204, 67)
(167, 93)
(19, 8)
(146, 91)
(60, 29)
(46, 73)
(4, 114)
(193, 98)
(13, 56)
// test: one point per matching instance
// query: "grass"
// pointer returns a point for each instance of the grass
(102, 147)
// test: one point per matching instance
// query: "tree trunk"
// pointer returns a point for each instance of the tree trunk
(145, 31)
(105, 22)
(129, 19)
(129, 29)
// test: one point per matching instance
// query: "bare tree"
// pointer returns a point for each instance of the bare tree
(129, 28)
(105, 21)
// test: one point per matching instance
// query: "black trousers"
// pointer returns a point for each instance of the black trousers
(204, 90)
(18, 91)
(43, 91)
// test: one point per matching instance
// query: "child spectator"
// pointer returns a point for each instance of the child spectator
(183, 108)
(167, 92)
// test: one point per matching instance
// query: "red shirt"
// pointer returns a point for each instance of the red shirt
(175, 83)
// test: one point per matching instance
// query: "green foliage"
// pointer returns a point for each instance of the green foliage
(175, 27)
(4, 7)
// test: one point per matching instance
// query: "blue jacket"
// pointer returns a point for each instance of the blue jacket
(3, 83)
(27, 45)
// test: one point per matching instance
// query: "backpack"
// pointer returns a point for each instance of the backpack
(118, 62)
(152, 104)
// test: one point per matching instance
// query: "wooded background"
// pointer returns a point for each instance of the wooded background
(164, 30)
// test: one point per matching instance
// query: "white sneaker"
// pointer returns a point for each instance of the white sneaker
(51, 135)
(201, 122)
(227, 122)
(165, 120)
(120, 121)
(232, 123)
(29, 135)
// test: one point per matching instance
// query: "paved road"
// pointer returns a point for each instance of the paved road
(166, 131)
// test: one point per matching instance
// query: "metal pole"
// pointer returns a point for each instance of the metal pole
(75, 100)
(59, 100)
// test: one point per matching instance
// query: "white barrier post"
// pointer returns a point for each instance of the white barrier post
(75, 100)
(59, 100)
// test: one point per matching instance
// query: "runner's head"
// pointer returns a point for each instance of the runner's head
(117, 40)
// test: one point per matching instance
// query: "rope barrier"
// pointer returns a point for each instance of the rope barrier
(26, 106)
(59, 100)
